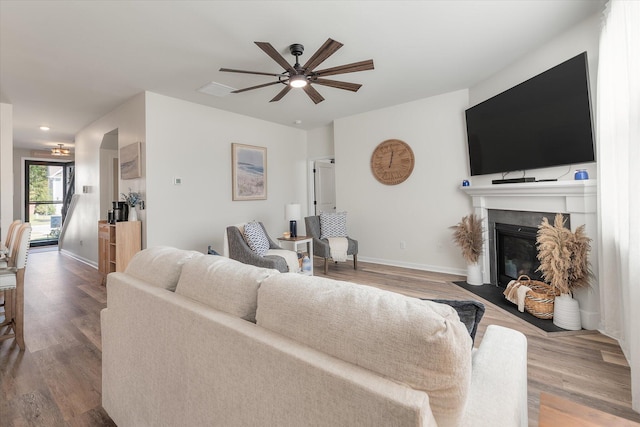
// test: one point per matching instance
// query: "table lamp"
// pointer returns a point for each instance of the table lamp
(292, 214)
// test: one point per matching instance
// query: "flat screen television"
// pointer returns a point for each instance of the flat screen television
(542, 122)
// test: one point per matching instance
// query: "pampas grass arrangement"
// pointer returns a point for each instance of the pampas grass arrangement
(468, 235)
(563, 255)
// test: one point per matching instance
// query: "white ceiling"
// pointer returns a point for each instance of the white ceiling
(67, 63)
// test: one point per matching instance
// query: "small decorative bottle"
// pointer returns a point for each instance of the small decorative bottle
(306, 265)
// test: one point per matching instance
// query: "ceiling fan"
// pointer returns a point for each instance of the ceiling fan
(303, 76)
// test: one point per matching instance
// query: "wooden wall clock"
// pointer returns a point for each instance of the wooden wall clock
(392, 162)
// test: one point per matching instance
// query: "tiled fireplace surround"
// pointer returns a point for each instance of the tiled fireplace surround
(530, 202)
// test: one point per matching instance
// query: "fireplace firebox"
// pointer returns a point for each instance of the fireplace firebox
(516, 253)
(512, 244)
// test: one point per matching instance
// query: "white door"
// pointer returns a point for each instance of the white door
(324, 178)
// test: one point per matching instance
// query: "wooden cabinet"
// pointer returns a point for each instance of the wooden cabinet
(117, 244)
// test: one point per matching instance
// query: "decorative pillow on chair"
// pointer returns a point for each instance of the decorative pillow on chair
(256, 238)
(333, 225)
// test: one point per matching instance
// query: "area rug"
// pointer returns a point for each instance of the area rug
(493, 294)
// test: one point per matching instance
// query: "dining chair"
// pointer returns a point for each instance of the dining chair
(12, 284)
(6, 247)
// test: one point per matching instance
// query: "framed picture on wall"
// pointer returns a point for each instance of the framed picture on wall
(130, 161)
(249, 172)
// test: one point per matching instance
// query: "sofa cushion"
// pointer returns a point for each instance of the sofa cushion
(418, 343)
(333, 224)
(470, 312)
(224, 284)
(256, 238)
(160, 266)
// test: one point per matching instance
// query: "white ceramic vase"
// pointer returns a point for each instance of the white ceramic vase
(474, 274)
(566, 313)
(133, 213)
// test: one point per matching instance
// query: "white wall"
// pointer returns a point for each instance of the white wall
(193, 142)
(581, 38)
(320, 143)
(19, 157)
(419, 210)
(81, 239)
(6, 167)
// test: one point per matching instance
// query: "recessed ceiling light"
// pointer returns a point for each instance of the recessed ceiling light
(298, 122)
(44, 128)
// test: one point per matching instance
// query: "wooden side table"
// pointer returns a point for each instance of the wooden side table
(294, 242)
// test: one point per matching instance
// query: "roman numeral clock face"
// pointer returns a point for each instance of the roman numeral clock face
(392, 162)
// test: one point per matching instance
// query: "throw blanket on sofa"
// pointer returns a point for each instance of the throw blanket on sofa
(289, 256)
(338, 247)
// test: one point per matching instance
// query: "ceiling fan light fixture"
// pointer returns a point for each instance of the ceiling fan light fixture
(298, 80)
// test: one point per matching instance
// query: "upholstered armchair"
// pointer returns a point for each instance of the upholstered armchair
(321, 247)
(236, 247)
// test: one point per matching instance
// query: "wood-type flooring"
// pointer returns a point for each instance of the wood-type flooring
(57, 380)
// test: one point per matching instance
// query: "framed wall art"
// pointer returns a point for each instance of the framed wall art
(249, 172)
(130, 161)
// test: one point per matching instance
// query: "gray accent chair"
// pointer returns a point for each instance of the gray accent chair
(321, 246)
(240, 251)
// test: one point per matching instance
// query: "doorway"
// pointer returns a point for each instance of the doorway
(324, 186)
(48, 186)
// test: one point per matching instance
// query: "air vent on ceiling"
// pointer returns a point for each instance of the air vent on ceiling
(216, 89)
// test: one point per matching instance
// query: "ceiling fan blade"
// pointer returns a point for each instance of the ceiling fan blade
(313, 94)
(326, 50)
(275, 55)
(348, 68)
(256, 87)
(260, 73)
(353, 87)
(282, 93)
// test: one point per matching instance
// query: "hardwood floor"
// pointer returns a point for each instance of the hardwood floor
(57, 380)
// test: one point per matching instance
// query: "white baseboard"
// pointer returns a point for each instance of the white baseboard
(79, 258)
(415, 266)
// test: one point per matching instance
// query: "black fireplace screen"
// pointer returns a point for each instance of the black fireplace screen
(516, 253)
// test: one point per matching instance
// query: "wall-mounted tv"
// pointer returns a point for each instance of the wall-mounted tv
(542, 122)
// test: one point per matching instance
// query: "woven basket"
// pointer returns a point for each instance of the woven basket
(539, 300)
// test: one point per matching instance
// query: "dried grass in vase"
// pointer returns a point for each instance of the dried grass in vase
(468, 235)
(563, 255)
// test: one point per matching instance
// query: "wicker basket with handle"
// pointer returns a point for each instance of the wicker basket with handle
(539, 300)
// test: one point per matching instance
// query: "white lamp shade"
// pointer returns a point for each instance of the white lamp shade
(292, 212)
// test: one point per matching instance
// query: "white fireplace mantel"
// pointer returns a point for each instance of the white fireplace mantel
(576, 198)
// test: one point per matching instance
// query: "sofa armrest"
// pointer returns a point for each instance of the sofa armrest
(498, 392)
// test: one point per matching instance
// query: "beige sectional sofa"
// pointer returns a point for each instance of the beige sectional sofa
(201, 340)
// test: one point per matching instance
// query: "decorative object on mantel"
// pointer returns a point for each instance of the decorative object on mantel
(581, 175)
(564, 263)
(468, 235)
(132, 199)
